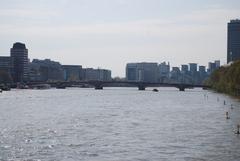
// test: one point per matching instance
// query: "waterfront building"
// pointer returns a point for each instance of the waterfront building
(184, 69)
(72, 72)
(105, 75)
(233, 41)
(164, 72)
(91, 74)
(6, 64)
(175, 75)
(202, 74)
(143, 72)
(19, 55)
(202, 69)
(46, 70)
(131, 72)
(6, 68)
(193, 68)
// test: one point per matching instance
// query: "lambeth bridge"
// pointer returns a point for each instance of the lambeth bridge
(98, 85)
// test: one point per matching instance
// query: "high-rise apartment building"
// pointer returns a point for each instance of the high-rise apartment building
(19, 55)
(193, 68)
(143, 72)
(233, 41)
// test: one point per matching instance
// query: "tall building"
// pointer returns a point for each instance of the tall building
(233, 41)
(19, 55)
(211, 67)
(6, 64)
(202, 69)
(164, 72)
(143, 72)
(175, 75)
(217, 62)
(6, 68)
(193, 68)
(184, 69)
(131, 72)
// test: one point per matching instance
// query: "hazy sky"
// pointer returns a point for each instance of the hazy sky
(110, 33)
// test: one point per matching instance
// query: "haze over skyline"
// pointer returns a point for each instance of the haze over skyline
(111, 33)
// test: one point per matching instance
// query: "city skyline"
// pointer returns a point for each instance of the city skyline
(113, 33)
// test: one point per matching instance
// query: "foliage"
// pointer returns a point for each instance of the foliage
(226, 79)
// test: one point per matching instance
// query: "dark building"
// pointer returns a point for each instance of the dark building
(6, 64)
(19, 55)
(233, 44)
(46, 70)
(6, 68)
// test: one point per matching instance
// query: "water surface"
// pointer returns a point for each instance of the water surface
(118, 124)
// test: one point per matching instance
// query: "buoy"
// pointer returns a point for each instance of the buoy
(238, 129)
(227, 116)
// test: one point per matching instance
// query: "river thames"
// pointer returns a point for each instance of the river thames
(118, 124)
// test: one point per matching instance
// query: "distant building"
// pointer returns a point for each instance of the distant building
(132, 72)
(97, 74)
(46, 70)
(6, 64)
(217, 62)
(202, 69)
(193, 68)
(233, 41)
(19, 55)
(202, 74)
(143, 72)
(175, 75)
(213, 66)
(164, 72)
(72, 72)
(184, 69)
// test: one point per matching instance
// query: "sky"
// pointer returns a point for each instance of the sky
(110, 33)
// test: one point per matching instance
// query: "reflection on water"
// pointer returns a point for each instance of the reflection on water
(118, 124)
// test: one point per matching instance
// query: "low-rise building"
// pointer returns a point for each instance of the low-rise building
(72, 72)
(96, 74)
(46, 70)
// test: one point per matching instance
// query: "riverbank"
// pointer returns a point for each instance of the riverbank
(226, 79)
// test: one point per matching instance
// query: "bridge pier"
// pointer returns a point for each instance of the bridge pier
(141, 88)
(99, 87)
(181, 88)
